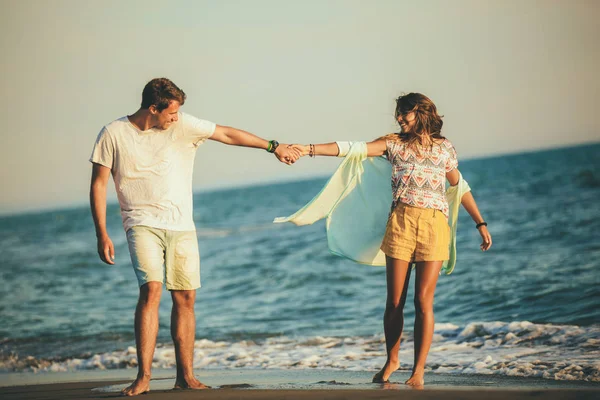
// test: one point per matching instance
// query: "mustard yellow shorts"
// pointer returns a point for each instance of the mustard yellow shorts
(416, 234)
(159, 252)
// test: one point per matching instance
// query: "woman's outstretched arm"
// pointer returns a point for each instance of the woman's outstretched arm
(374, 149)
(323, 149)
(468, 202)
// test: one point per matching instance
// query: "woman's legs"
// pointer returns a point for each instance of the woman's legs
(425, 281)
(397, 276)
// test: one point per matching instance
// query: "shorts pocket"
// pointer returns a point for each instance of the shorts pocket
(186, 253)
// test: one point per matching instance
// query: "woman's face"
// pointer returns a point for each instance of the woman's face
(407, 121)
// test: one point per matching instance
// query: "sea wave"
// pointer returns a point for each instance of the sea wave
(559, 352)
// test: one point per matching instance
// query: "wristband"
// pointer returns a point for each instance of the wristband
(479, 225)
(273, 144)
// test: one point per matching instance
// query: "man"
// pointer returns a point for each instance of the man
(151, 156)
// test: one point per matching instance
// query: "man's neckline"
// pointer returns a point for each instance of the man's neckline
(134, 126)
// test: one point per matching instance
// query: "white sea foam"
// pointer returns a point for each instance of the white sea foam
(561, 352)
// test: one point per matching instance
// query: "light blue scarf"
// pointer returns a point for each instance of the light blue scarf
(356, 202)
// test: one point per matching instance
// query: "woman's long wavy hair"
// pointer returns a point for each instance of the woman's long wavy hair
(428, 123)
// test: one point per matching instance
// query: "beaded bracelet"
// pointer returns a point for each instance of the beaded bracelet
(311, 151)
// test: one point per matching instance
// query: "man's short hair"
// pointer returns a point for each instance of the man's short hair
(159, 92)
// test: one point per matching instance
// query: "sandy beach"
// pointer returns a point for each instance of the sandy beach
(314, 384)
(84, 391)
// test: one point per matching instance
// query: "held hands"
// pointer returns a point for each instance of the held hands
(288, 154)
(486, 237)
(106, 250)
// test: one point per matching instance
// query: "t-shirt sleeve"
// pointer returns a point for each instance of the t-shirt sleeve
(104, 149)
(452, 161)
(198, 130)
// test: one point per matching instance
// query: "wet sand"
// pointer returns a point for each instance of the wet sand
(305, 385)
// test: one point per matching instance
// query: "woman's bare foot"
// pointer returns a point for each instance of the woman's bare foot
(139, 386)
(388, 369)
(189, 383)
(416, 379)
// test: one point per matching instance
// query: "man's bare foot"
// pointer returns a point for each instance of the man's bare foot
(139, 386)
(388, 369)
(416, 379)
(189, 383)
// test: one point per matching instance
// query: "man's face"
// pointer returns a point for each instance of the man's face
(165, 118)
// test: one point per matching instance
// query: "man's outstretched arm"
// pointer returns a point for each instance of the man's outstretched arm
(100, 175)
(237, 137)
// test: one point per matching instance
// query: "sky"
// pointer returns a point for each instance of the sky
(508, 76)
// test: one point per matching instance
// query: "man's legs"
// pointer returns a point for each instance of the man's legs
(183, 278)
(183, 332)
(146, 330)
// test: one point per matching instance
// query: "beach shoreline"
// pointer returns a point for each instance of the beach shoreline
(298, 384)
(85, 391)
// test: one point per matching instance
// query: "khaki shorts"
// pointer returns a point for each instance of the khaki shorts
(416, 234)
(152, 248)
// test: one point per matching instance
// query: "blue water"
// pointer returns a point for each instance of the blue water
(261, 280)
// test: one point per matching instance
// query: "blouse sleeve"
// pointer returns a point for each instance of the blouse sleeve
(452, 161)
(388, 153)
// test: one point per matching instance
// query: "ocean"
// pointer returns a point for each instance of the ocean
(273, 297)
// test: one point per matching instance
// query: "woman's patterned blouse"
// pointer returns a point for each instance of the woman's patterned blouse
(419, 176)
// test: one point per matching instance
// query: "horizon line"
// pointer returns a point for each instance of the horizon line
(267, 182)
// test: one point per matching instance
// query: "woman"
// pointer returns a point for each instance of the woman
(417, 229)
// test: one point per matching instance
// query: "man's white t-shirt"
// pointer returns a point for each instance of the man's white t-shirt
(153, 169)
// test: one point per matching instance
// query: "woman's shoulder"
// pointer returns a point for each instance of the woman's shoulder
(391, 136)
(391, 139)
(448, 148)
(445, 143)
